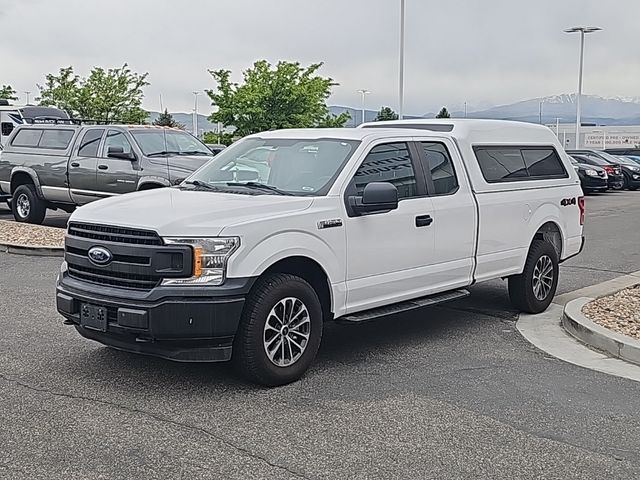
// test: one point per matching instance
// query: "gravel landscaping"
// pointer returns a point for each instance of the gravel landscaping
(619, 312)
(30, 235)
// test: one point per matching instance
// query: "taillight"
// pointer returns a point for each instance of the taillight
(583, 209)
(609, 169)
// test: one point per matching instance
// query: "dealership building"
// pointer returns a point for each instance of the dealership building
(598, 137)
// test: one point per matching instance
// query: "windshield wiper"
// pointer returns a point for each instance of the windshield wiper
(194, 152)
(198, 183)
(155, 154)
(258, 186)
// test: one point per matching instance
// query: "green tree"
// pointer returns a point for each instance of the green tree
(386, 113)
(224, 138)
(443, 113)
(287, 96)
(165, 119)
(112, 95)
(7, 93)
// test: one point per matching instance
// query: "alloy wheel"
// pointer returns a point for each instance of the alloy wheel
(286, 332)
(543, 277)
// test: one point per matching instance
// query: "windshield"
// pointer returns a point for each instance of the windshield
(161, 141)
(626, 161)
(291, 166)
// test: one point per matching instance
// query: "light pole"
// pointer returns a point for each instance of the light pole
(27, 94)
(401, 76)
(195, 114)
(540, 111)
(364, 93)
(465, 109)
(583, 31)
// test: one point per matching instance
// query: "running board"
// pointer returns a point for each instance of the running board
(404, 306)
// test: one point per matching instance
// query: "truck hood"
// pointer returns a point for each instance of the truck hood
(188, 213)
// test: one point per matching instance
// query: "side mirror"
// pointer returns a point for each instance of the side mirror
(377, 197)
(118, 152)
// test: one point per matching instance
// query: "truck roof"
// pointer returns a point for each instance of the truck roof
(471, 131)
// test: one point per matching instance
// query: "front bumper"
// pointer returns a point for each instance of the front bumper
(633, 180)
(594, 183)
(185, 324)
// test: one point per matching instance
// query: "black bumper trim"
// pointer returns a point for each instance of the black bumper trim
(197, 326)
(579, 251)
(220, 351)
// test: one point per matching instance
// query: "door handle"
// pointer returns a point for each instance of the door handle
(423, 220)
(103, 167)
(75, 164)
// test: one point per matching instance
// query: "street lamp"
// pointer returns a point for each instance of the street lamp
(195, 114)
(27, 94)
(364, 93)
(401, 79)
(583, 31)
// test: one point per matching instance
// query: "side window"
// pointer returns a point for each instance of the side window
(501, 164)
(116, 139)
(441, 167)
(27, 137)
(90, 143)
(57, 139)
(543, 162)
(388, 163)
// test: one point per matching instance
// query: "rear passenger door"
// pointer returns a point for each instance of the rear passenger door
(82, 166)
(117, 175)
(454, 214)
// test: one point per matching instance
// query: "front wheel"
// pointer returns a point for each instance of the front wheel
(280, 330)
(533, 290)
(26, 205)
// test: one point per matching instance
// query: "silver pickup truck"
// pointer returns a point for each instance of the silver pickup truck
(63, 166)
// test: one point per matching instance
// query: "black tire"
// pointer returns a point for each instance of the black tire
(249, 351)
(633, 189)
(625, 182)
(521, 287)
(26, 206)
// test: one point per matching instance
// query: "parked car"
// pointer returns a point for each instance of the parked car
(623, 151)
(592, 178)
(64, 166)
(349, 224)
(215, 148)
(631, 172)
(635, 158)
(603, 160)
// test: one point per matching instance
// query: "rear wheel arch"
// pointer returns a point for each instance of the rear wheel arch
(24, 177)
(149, 186)
(550, 232)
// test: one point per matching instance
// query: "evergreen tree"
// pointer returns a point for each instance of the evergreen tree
(444, 113)
(165, 119)
(386, 113)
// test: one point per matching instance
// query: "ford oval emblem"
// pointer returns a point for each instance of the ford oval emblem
(100, 256)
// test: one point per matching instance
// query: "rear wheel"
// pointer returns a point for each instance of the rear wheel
(280, 330)
(625, 182)
(533, 290)
(26, 205)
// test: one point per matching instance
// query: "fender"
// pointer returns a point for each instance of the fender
(154, 180)
(34, 176)
(254, 260)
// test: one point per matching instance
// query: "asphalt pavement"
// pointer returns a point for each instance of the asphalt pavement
(443, 392)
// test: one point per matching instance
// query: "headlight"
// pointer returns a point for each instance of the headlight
(210, 257)
(635, 169)
(591, 173)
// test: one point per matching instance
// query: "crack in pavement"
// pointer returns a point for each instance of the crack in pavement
(593, 269)
(159, 418)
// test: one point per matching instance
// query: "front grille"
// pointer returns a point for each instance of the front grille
(114, 234)
(139, 259)
(115, 279)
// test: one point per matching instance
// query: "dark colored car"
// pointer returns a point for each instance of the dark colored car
(623, 151)
(592, 178)
(635, 158)
(631, 172)
(603, 160)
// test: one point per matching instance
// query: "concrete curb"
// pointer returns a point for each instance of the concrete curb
(596, 336)
(35, 250)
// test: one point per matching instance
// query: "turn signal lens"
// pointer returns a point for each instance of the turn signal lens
(583, 209)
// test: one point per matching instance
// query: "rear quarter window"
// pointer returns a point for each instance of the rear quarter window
(515, 163)
(57, 139)
(27, 137)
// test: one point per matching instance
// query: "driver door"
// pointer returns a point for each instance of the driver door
(388, 254)
(117, 175)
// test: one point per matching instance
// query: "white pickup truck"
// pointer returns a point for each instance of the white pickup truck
(248, 258)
